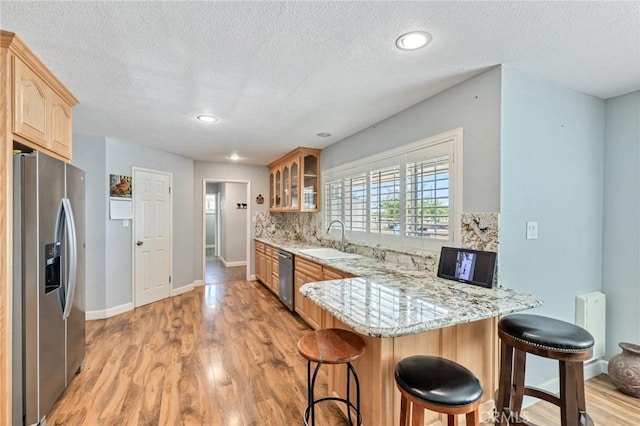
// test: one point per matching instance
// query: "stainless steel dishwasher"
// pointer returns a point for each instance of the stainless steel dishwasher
(285, 278)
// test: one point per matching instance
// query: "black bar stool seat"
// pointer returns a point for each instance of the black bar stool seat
(331, 346)
(547, 333)
(437, 384)
(547, 337)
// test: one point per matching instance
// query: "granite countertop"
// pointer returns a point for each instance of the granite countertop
(390, 300)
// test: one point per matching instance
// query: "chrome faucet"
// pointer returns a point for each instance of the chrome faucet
(341, 224)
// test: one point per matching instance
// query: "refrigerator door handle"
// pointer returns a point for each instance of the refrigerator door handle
(72, 240)
(66, 220)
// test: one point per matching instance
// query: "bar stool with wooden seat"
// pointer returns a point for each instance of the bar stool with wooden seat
(331, 346)
(437, 384)
(549, 338)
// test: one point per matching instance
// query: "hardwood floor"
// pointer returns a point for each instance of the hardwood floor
(216, 273)
(605, 405)
(224, 354)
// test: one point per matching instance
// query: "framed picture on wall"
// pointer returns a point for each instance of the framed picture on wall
(119, 186)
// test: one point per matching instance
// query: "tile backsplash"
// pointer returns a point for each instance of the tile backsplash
(479, 231)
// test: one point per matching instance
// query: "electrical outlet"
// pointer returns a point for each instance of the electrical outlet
(532, 230)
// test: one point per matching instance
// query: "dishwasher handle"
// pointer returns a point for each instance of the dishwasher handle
(285, 255)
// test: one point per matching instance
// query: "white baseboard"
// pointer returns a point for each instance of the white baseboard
(108, 313)
(591, 369)
(253, 278)
(183, 289)
(230, 264)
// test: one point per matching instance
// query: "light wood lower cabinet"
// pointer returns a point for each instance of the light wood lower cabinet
(260, 261)
(334, 274)
(474, 345)
(267, 265)
(307, 272)
(275, 272)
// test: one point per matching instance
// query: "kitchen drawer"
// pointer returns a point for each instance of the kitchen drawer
(311, 269)
(260, 247)
(332, 274)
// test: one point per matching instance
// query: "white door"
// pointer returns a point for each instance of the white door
(152, 233)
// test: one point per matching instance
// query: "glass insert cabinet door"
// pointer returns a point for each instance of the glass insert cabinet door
(272, 190)
(285, 187)
(278, 203)
(295, 185)
(294, 181)
(311, 184)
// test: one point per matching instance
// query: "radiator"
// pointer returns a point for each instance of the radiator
(591, 315)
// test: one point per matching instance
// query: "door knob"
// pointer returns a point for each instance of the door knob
(139, 243)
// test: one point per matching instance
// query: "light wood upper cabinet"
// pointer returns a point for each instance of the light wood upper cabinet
(294, 182)
(29, 104)
(60, 125)
(40, 105)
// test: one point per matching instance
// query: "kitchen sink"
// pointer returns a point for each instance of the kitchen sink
(328, 253)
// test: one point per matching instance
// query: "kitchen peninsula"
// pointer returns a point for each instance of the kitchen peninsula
(402, 312)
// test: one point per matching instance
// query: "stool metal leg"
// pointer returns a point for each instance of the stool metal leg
(311, 381)
(357, 381)
(348, 371)
(309, 392)
(311, 406)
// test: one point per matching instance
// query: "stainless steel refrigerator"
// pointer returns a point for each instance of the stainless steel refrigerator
(49, 283)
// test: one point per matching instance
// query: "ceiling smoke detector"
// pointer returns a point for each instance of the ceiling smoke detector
(413, 40)
(324, 134)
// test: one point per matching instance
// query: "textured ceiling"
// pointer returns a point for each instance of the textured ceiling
(278, 73)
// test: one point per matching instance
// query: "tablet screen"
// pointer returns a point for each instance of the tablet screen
(468, 266)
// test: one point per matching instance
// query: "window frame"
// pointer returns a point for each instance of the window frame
(450, 143)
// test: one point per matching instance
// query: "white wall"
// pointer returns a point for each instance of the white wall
(110, 244)
(234, 234)
(473, 105)
(258, 178)
(121, 157)
(621, 233)
(89, 154)
(552, 173)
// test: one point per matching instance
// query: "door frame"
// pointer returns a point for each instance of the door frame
(217, 239)
(135, 169)
(203, 236)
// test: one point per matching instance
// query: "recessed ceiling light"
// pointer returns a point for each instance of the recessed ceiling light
(207, 118)
(234, 157)
(413, 40)
(324, 134)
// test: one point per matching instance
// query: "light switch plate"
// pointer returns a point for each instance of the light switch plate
(532, 230)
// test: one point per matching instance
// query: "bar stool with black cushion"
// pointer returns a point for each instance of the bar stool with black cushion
(549, 338)
(437, 384)
(331, 346)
